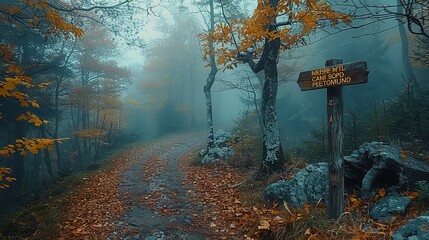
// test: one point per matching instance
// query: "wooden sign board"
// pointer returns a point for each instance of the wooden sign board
(332, 76)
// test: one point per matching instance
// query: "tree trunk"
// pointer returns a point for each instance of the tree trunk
(405, 50)
(209, 83)
(18, 159)
(84, 139)
(47, 154)
(207, 88)
(272, 152)
(110, 134)
(60, 164)
(97, 146)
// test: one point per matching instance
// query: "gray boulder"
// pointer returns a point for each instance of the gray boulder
(220, 151)
(377, 165)
(374, 165)
(310, 185)
(387, 207)
(415, 229)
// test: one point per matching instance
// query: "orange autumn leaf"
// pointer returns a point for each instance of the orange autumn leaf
(31, 118)
(382, 192)
(411, 195)
(264, 225)
(4, 178)
(403, 154)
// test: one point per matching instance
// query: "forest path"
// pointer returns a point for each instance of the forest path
(153, 191)
(159, 205)
(141, 195)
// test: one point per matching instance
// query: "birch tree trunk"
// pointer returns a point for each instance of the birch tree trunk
(209, 83)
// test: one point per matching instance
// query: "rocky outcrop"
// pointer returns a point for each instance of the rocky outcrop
(377, 165)
(310, 185)
(220, 151)
(415, 229)
(373, 166)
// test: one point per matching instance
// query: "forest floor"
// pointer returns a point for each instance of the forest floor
(157, 190)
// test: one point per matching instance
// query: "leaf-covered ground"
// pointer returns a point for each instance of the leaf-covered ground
(93, 210)
(233, 209)
(157, 191)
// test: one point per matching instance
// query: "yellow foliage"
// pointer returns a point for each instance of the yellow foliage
(22, 145)
(14, 79)
(251, 33)
(43, 85)
(31, 118)
(4, 179)
(43, 14)
(58, 25)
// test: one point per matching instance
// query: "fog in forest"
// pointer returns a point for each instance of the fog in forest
(83, 81)
(298, 112)
(138, 70)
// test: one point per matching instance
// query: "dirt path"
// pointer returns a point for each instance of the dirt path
(158, 205)
(153, 192)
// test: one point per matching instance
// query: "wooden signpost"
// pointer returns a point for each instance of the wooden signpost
(333, 77)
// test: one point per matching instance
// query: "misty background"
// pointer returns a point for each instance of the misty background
(169, 77)
(137, 73)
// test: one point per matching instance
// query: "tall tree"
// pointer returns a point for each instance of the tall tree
(210, 79)
(210, 56)
(275, 26)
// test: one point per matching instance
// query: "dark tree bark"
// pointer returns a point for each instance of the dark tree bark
(97, 146)
(18, 159)
(405, 49)
(47, 153)
(60, 164)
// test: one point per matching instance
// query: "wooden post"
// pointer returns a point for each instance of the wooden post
(335, 146)
(334, 76)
